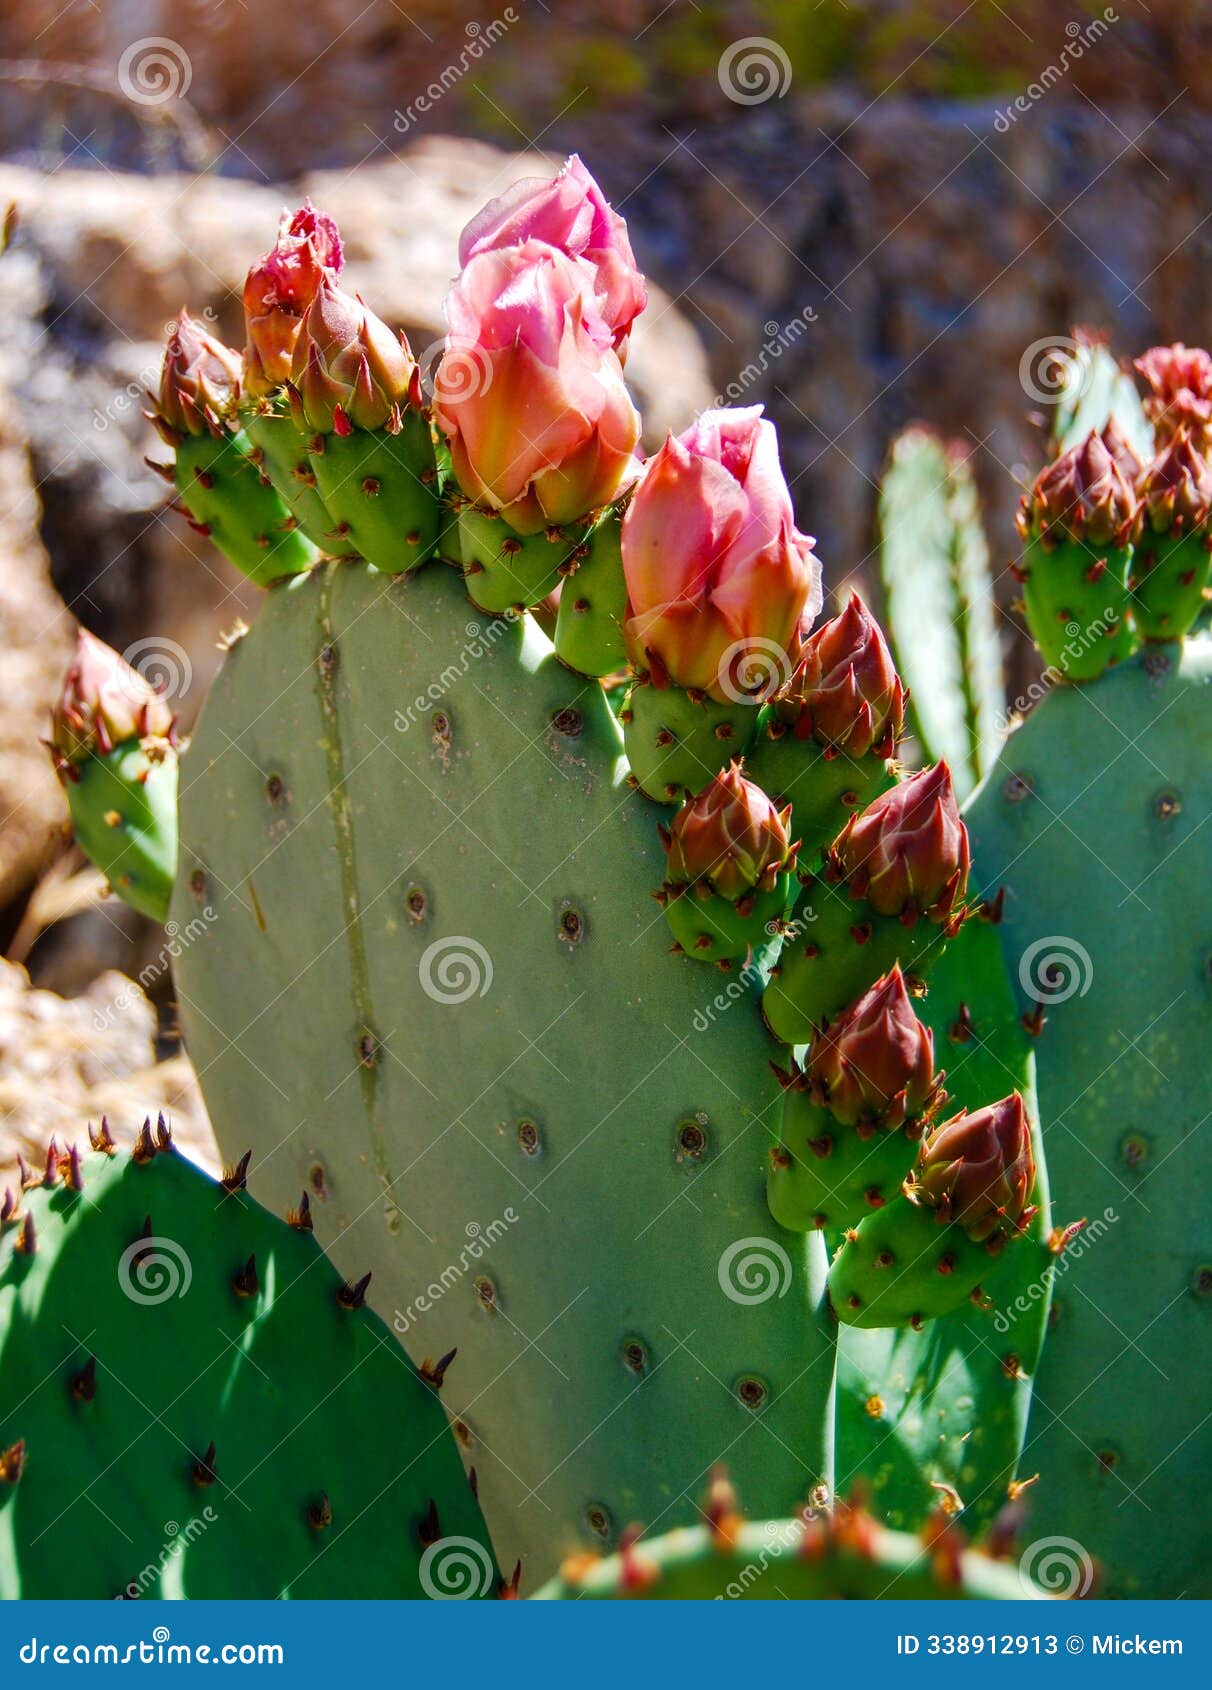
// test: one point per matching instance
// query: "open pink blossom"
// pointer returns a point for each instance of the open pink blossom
(722, 588)
(529, 391)
(567, 211)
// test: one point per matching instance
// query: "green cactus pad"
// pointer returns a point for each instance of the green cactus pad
(380, 491)
(899, 1265)
(510, 571)
(839, 1182)
(1076, 597)
(934, 565)
(225, 492)
(284, 459)
(124, 815)
(1096, 817)
(836, 948)
(824, 791)
(1169, 576)
(204, 1409)
(593, 603)
(439, 990)
(676, 743)
(712, 929)
(947, 1406)
(790, 1560)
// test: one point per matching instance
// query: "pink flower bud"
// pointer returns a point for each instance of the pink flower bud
(730, 839)
(1180, 388)
(198, 381)
(978, 1171)
(721, 585)
(278, 290)
(874, 1064)
(568, 212)
(349, 370)
(907, 852)
(1083, 495)
(530, 393)
(1122, 450)
(1176, 489)
(103, 703)
(846, 691)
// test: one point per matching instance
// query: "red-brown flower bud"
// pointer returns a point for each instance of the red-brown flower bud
(874, 1064)
(278, 290)
(198, 381)
(907, 852)
(730, 839)
(1176, 489)
(846, 692)
(349, 370)
(103, 703)
(1082, 495)
(978, 1171)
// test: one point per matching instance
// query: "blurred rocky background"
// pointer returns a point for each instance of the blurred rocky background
(855, 213)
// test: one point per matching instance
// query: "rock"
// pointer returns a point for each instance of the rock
(66, 1061)
(35, 641)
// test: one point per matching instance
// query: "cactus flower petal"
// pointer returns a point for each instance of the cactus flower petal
(278, 290)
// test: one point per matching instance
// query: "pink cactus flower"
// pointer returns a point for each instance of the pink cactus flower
(530, 392)
(722, 588)
(567, 211)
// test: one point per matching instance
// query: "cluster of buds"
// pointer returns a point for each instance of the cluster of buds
(348, 369)
(978, 1171)
(1180, 391)
(872, 1067)
(104, 703)
(721, 586)
(199, 382)
(530, 391)
(907, 853)
(279, 288)
(1176, 489)
(1086, 494)
(728, 842)
(845, 692)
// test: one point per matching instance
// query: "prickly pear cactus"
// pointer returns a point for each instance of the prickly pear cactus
(1092, 818)
(944, 1411)
(193, 1402)
(462, 1031)
(809, 1557)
